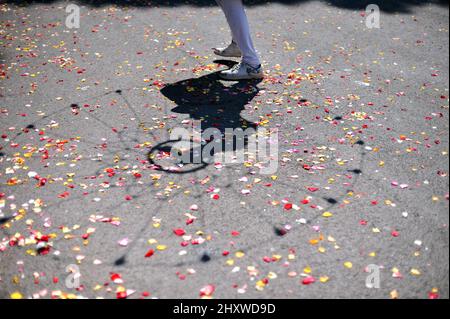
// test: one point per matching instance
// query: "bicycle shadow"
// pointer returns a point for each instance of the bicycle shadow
(216, 106)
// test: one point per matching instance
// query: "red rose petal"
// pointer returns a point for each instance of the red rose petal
(149, 253)
(179, 232)
(308, 280)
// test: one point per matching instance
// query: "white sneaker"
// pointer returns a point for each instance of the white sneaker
(242, 71)
(231, 51)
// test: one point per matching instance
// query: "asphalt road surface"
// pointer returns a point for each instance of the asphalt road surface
(93, 205)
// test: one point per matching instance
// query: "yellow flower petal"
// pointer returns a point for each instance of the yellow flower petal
(16, 295)
(394, 294)
(324, 279)
(230, 262)
(348, 265)
(415, 272)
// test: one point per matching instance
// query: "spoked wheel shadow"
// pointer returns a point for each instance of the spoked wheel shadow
(162, 158)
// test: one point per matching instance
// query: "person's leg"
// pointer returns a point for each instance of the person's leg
(220, 3)
(232, 50)
(240, 29)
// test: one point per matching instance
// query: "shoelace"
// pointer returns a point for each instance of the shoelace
(236, 66)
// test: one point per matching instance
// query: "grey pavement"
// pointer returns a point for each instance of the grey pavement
(88, 184)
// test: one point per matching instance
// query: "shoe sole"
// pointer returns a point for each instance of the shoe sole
(227, 55)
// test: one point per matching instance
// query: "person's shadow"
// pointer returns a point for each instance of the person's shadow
(215, 105)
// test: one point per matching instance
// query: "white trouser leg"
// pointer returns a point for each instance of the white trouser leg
(219, 2)
(240, 30)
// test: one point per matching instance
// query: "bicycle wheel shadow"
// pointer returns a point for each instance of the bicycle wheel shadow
(215, 105)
